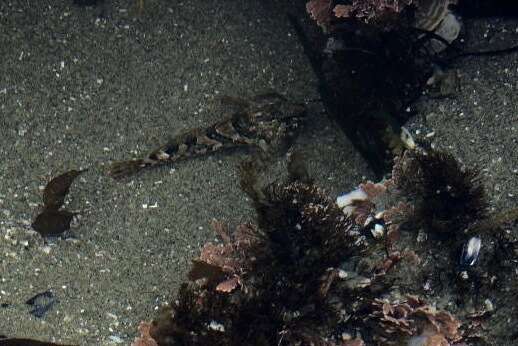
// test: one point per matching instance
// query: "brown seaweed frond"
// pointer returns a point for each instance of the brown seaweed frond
(381, 12)
(123, 169)
(202, 316)
(225, 266)
(448, 197)
(145, 338)
(54, 220)
(57, 189)
(320, 11)
(396, 323)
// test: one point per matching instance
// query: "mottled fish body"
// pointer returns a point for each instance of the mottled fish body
(264, 122)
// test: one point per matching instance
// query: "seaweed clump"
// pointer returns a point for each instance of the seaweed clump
(292, 280)
(414, 318)
(265, 284)
(372, 64)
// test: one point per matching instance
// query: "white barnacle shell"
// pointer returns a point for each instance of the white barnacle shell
(470, 251)
(368, 221)
(162, 155)
(342, 274)
(430, 13)
(378, 231)
(348, 199)
(435, 16)
(488, 304)
(448, 29)
(217, 326)
(348, 210)
(379, 215)
(407, 138)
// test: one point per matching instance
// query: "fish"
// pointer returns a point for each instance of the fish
(266, 121)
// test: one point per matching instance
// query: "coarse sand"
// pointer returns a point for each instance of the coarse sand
(80, 86)
(77, 90)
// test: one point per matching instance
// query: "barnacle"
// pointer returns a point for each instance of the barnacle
(430, 13)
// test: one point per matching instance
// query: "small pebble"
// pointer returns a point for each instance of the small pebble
(116, 339)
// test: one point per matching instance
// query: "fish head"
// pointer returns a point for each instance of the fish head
(274, 106)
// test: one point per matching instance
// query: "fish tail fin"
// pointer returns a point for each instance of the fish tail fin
(122, 169)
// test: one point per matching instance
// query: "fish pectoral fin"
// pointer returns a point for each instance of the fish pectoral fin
(209, 142)
(121, 169)
(227, 130)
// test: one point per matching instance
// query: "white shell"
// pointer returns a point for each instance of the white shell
(342, 274)
(162, 155)
(379, 215)
(407, 138)
(348, 198)
(470, 251)
(217, 326)
(378, 231)
(368, 221)
(448, 29)
(489, 305)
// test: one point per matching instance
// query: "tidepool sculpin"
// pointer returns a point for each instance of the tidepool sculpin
(265, 121)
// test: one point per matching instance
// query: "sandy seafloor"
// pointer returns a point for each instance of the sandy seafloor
(77, 91)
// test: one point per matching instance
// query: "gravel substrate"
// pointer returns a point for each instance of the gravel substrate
(79, 88)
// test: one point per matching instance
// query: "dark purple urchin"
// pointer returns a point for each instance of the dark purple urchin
(301, 218)
(449, 198)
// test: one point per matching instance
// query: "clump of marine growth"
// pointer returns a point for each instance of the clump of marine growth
(313, 272)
